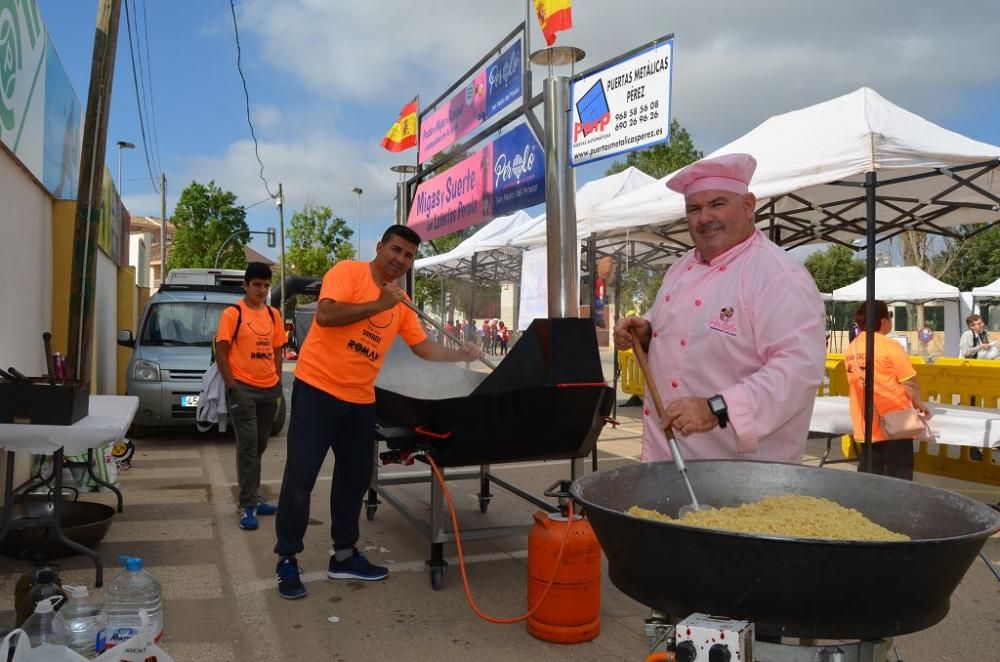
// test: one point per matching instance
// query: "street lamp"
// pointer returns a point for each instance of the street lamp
(122, 144)
(359, 192)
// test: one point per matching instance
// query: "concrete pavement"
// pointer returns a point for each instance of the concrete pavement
(222, 605)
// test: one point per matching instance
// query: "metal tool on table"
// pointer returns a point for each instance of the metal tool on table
(17, 374)
(661, 413)
(47, 342)
(433, 322)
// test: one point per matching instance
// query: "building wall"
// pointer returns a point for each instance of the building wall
(138, 257)
(25, 267)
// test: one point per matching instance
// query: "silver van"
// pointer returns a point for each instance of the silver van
(174, 349)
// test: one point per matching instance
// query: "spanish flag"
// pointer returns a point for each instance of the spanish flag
(403, 134)
(553, 16)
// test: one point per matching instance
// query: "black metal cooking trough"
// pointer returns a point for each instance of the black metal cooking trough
(546, 400)
(805, 588)
(82, 522)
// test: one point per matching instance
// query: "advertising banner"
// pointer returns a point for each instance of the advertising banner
(496, 86)
(40, 116)
(623, 107)
(503, 80)
(506, 175)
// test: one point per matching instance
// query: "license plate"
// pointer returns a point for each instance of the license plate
(189, 401)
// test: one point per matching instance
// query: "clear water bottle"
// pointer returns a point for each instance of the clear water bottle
(44, 627)
(85, 621)
(132, 589)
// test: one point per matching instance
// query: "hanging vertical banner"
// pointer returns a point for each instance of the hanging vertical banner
(490, 90)
(506, 175)
(503, 80)
(622, 107)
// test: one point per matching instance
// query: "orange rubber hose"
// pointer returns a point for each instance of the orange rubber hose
(461, 558)
(660, 656)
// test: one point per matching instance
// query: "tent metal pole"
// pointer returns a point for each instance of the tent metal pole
(871, 184)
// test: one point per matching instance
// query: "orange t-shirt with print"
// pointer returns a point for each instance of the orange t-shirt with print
(892, 367)
(251, 353)
(344, 361)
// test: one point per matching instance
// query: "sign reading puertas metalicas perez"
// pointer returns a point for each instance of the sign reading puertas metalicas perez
(623, 107)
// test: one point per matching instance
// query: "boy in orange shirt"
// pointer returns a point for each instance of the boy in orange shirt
(248, 352)
(359, 314)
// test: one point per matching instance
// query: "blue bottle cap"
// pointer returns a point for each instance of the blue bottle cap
(130, 563)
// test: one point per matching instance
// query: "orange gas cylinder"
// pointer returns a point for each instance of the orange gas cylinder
(571, 612)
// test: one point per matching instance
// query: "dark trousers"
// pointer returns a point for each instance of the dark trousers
(320, 422)
(251, 411)
(889, 458)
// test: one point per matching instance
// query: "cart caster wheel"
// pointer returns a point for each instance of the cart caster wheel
(484, 504)
(437, 578)
(370, 512)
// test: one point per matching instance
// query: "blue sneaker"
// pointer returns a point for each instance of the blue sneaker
(290, 584)
(248, 518)
(356, 567)
(265, 508)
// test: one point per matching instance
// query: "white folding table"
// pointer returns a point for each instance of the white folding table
(108, 419)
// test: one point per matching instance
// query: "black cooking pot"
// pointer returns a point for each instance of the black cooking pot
(83, 522)
(805, 588)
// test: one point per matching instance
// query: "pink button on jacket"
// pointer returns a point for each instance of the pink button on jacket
(757, 338)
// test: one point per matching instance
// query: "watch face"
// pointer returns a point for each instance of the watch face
(716, 404)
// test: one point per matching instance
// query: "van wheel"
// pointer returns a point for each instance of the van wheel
(279, 419)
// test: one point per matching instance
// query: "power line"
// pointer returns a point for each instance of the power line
(246, 96)
(154, 150)
(138, 100)
(149, 79)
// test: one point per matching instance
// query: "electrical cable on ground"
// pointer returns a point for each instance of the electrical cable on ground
(138, 99)
(246, 96)
(461, 557)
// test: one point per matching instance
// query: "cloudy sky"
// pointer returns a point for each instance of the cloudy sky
(326, 78)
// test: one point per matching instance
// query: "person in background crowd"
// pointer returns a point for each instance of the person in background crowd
(737, 379)
(896, 388)
(975, 343)
(504, 337)
(484, 336)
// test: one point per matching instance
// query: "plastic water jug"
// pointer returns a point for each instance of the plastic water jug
(85, 620)
(132, 589)
(43, 584)
(44, 626)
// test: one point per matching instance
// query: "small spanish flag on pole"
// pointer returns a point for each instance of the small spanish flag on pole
(403, 134)
(554, 16)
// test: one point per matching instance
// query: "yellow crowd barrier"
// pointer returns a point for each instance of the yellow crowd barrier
(955, 381)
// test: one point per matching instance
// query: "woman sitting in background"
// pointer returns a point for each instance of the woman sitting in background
(896, 388)
(975, 343)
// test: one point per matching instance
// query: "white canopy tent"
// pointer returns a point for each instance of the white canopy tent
(498, 244)
(811, 173)
(991, 291)
(911, 284)
(898, 284)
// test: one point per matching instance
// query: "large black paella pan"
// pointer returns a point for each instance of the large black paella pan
(806, 588)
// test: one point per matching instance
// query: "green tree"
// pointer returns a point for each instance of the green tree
(205, 216)
(975, 259)
(834, 268)
(661, 160)
(316, 241)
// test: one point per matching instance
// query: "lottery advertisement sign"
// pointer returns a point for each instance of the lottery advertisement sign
(622, 107)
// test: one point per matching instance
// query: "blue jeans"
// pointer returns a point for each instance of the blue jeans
(320, 422)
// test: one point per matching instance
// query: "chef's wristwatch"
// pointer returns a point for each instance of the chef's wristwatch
(717, 405)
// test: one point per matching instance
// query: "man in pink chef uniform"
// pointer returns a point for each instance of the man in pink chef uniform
(736, 337)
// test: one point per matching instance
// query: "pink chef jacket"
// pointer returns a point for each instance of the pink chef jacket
(750, 326)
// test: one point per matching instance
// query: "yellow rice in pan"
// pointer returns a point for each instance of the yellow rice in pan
(794, 516)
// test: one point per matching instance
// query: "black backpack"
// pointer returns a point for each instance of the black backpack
(239, 321)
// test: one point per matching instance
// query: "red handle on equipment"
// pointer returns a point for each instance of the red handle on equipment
(437, 435)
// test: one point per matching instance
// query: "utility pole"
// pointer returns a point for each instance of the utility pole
(281, 236)
(80, 334)
(163, 227)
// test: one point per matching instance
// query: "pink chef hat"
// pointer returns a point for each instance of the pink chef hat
(729, 172)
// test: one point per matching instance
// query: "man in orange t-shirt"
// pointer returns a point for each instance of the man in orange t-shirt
(248, 353)
(896, 388)
(359, 314)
